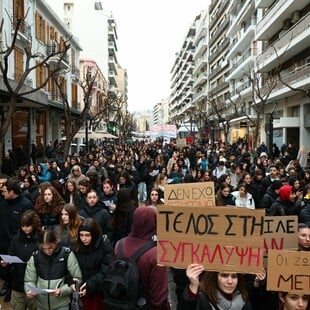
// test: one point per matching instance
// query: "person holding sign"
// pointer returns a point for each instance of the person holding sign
(292, 301)
(214, 290)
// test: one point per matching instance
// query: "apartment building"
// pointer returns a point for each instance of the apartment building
(201, 69)
(284, 30)
(98, 109)
(39, 116)
(241, 55)
(181, 98)
(161, 112)
(218, 65)
(98, 35)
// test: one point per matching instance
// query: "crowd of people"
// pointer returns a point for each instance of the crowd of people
(76, 209)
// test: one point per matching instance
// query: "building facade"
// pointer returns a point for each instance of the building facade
(39, 116)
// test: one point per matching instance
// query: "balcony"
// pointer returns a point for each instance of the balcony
(244, 63)
(291, 43)
(200, 94)
(241, 41)
(201, 47)
(243, 13)
(201, 79)
(24, 30)
(219, 30)
(238, 90)
(273, 20)
(263, 3)
(215, 53)
(218, 88)
(219, 12)
(55, 57)
(219, 68)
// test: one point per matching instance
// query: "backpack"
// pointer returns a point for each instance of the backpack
(122, 286)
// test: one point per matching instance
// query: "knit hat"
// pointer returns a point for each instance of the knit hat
(284, 192)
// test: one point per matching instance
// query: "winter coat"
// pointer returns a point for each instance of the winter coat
(280, 208)
(18, 206)
(154, 278)
(7, 225)
(268, 199)
(23, 247)
(94, 261)
(227, 200)
(200, 301)
(45, 175)
(304, 215)
(100, 215)
(247, 202)
(51, 273)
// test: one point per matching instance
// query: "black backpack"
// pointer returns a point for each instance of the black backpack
(122, 286)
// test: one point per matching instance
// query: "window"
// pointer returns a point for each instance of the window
(18, 63)
(40, 27)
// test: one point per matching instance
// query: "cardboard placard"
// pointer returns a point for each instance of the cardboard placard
(288, 271)
(221, 239)
(199, 194)
(280, 233)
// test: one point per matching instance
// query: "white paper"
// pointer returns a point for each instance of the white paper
(36, 290)
(154, 173)
(11, 259)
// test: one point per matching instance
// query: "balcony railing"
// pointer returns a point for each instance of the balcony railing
(269, 14)
(240, 88)
(219, 49)
(218, 88)
(242, 59)
(217, 33)
(299, 74)
(299, 27)
(24, 27)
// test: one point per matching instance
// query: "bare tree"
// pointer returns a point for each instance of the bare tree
(127, 126)
(74, 124)
(262, 86)
(17, 88)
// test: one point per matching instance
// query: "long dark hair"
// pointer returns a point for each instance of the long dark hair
(208, 285)
(124, 206)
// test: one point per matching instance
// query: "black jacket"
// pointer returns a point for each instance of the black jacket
(201, 302)
(100, 215)
(268, 199)
(23, 247)
(280, 208)
(304, 215)
(18, 206)
(94, 261)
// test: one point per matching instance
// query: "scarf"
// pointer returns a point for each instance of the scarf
(236, 303)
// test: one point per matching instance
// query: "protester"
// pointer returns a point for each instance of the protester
(50, 268)
(214, 290)
(69, 223)
(154, 278)
(23, 244)
(48, 206)
(94, 253)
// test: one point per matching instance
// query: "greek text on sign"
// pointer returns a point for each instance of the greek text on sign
(222, 239)
(199, 194)
(289, 271)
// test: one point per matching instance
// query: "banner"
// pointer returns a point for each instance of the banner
(288, 271)
(199, 194)
(221, 239)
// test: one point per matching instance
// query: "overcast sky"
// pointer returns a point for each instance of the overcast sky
(149, 34)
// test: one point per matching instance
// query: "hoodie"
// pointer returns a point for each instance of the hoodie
(154, 278)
